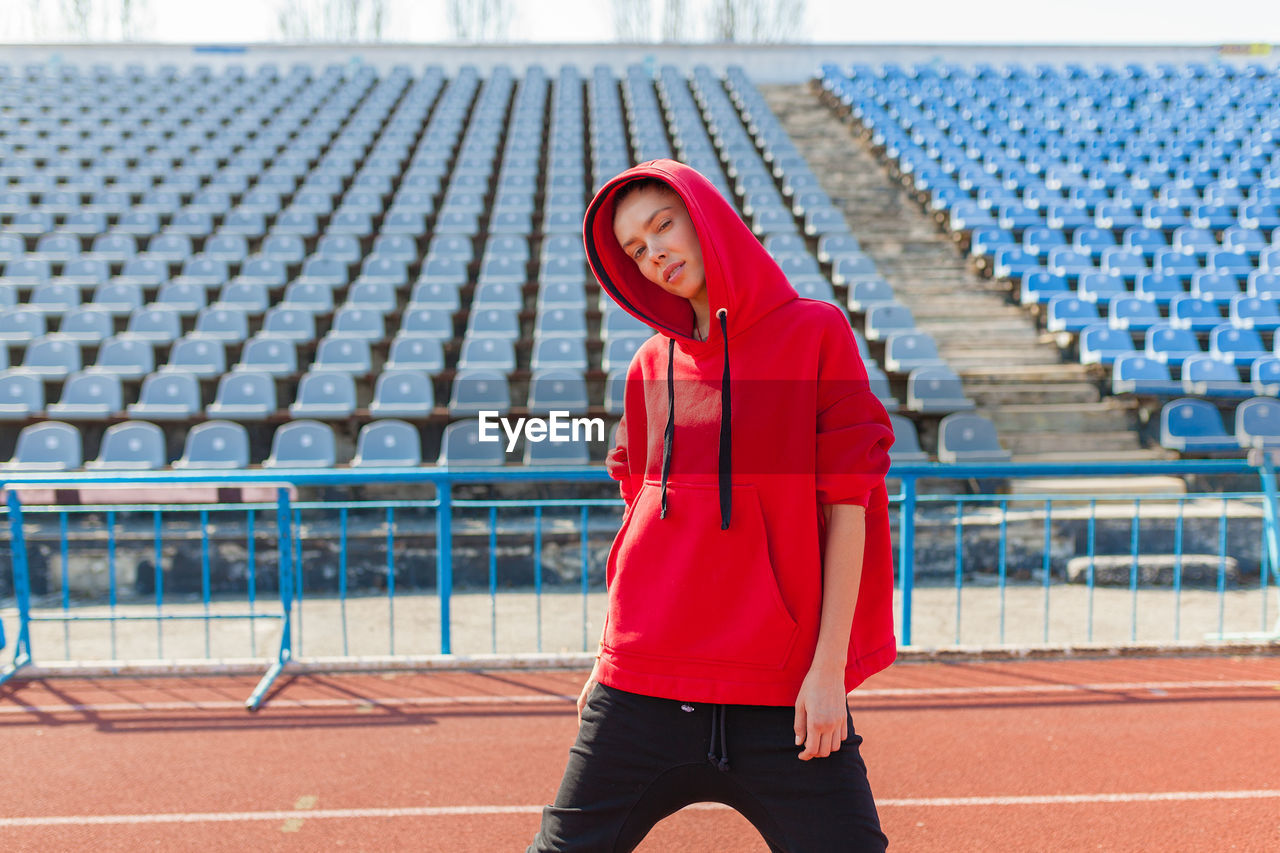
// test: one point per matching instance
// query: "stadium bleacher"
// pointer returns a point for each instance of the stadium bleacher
(244, 259)
(1135, 210)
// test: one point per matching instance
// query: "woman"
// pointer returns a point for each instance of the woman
(750, 585)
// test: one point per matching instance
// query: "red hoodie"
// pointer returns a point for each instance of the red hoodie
(715, 576)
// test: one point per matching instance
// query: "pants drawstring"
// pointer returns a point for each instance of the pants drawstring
(721, 761)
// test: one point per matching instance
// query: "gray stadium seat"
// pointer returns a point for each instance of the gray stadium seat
(936, 389)
(244, 396)
(906, 442)
(52, 356)
(126, 356)
(130, 446)
(475, 390)
(302, 444)
(88, 396)
(402, 394)
(21, 395)
(906, 351)
(488, 353)
(565, 352)
(344, 354)
(47, 446)
(461, 446)
(325, 394)
(966, 438)
(269, 354)
(215, 444)
(557, 390)
(557, 453)
(167, 396)
(388, 444)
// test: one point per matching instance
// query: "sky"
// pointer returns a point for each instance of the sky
(831, 21)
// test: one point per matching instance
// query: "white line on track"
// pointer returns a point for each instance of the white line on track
(446, 811)
(284, 703)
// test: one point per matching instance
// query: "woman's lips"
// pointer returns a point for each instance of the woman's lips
(672, 271)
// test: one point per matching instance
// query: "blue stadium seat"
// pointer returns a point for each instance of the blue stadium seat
(1257, 423)
(21, 395)
(167, 396)
(557, 389)
(1235, 346)
(1192, 312)
(476, 389)
(906, 442)
(907, 351)
(344, 354)
(1040, 286)
(402, 394)
(130, 446)
(388, 443)
(294, 324)
(157, 325)
(52, 356)
(1158, 288)
(325, 394)
(47, 446)
(302, 444)
(966, 438)
(1171, 345)
(215, 444)
(88, 396)
(461, 446)
(1190, 425)
(1100, 344)
(269, 354)
(936, 389)
(244, 396)
(224, 323)
(1264, 376)
(1134, 373)
(1130, 312)
(885, 320)
(416, 351)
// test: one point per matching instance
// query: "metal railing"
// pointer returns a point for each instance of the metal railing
(1003, 555)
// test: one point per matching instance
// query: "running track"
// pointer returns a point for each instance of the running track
(1152, 754)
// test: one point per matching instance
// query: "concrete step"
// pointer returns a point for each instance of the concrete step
(989, 396)
(963, 330)
(1093, 486)
(974, 355)
(1102, 416)
(1084, 443)
(993, 373)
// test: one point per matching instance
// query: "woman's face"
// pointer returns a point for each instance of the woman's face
(654, 230)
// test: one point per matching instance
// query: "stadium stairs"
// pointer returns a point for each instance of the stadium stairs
(1045, 409)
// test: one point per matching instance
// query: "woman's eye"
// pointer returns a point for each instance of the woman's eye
(637, 253)
(664, 224)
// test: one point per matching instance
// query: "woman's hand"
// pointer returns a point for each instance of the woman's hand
(586, 691)
(821, 722)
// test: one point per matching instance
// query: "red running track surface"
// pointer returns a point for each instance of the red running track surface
(1164, 754)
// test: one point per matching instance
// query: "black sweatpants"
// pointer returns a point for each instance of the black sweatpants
(639, 758)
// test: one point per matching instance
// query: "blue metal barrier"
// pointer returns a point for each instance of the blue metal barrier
(971, 515)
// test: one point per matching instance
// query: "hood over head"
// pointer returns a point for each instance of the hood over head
(741, 276)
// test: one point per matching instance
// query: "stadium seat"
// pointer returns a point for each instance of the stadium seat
(907, 351)
(47, 446)
(1257, 423)
(52, 356)
(557, 389)
(325, 395)
(21, 395)
(906, 442)
(461, 446)
(388, 444)
(244, 396)
(88, 396)
(1235, 346)
(130, 446)
(167, 396)
(1190, 425)
(268, 354)
(935, 389)
(344, 354)
(488, 353)
(476, 389)
(1134, 373)
(86, 325)
(302, 444)
(215, 444)
(966, 438)
(1207, 376)
(402, 394)
(1166, 344)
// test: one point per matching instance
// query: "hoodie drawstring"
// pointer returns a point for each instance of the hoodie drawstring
(726, 447)
(725, 462)
(721, 761)
(669, 435)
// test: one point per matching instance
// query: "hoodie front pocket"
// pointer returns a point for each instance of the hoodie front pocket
(685, 590)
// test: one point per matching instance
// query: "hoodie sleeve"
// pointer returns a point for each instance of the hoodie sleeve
(854, 434)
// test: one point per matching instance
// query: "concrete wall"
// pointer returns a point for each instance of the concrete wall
(765, 63)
